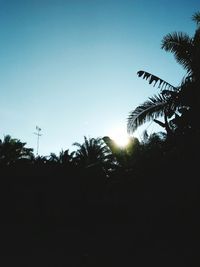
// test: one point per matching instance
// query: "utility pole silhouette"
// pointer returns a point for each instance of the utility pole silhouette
(38, 136)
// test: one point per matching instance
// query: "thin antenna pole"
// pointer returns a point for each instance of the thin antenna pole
(38, 136)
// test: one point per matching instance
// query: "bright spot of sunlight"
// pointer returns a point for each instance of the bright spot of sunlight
(120, 137)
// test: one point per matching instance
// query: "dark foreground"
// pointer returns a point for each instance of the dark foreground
(50, 217)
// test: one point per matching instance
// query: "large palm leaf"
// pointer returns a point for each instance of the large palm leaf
(153, 79)
(149, 110)
(186, 49)
(166, 103)
(181, 45)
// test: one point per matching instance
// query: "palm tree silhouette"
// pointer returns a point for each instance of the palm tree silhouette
(13, 150)
(178, 105)
(93, 152)
(64, 157)
(123, 156)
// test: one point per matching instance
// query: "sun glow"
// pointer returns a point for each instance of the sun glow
(121, 141)
(120, 137)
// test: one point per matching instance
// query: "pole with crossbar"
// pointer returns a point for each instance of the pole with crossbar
(38, 136)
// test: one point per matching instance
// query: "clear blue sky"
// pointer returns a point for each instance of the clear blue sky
(69, 66)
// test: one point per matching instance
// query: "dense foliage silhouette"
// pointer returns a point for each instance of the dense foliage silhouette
(13, 150)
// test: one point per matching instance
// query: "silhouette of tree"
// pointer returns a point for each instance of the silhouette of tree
(64, 157)
(178, 105)
(186, 51)
(93, 152)
(41, 160)
(154, 146)
(124, 156)
(53, 158)
(13, 150)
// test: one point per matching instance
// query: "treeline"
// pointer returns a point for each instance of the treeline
(119, 204)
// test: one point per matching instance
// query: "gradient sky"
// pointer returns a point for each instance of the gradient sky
(69, 66)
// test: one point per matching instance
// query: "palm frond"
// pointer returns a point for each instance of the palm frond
(149, 110)
(180, 44)
(170, 95)
(196, 18)
(77, 144)
(195, 69)
(154, 79)
(196, 38)
(162, 124)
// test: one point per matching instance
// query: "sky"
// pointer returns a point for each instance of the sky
(69, 66)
